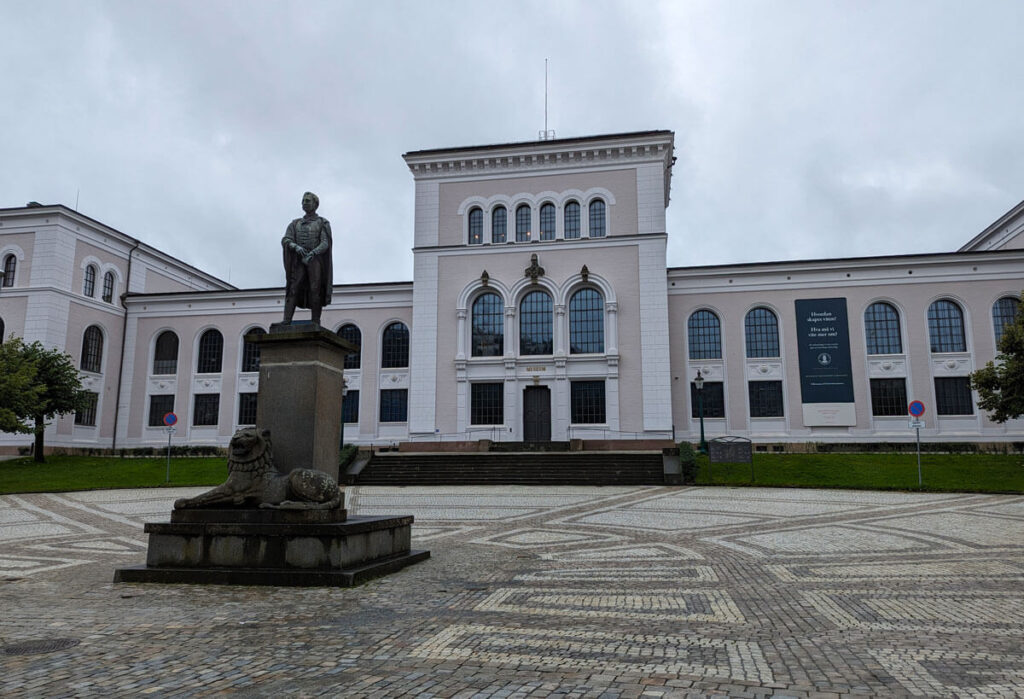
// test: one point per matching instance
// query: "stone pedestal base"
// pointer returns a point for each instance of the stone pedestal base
(205, 549)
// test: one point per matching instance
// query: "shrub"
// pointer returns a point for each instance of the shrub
(346, 456)
(688, 462)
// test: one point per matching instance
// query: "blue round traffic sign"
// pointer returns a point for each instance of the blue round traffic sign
(170, 419)
(916, 408)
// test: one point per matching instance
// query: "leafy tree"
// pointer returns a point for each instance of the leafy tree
(36, 384)
(1000, 384)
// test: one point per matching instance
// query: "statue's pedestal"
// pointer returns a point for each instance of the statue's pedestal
(300, 394)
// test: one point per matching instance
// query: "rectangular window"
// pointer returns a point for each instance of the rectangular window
(87, 414)
(765, 398)
(953, 396)
(889, 397)
(587, 402)
(247, 408)
(206, 407)
(487, 404)
(394, 404)
(714, 399)
(158, 407)
(350, 407)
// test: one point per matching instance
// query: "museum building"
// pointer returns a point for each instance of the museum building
(541, 309)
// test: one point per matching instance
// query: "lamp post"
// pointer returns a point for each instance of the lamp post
(344, 392)
(698, 381)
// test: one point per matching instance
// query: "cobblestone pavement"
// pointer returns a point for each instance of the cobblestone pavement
(570, 591)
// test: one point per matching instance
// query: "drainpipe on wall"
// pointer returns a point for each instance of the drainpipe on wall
(124, 338)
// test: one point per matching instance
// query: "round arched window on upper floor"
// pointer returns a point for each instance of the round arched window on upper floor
(394, 346)
(704, 332)
(761, 329)
(882, 329)
(92, 350)
(211, 352)
(476, 226)
(165, 353)
(586, 322)
(547, 221)
(499, 224)
(89, 285)
(351, 333)
(488, 324)
(524, 219)
(108, 287)
(598, 226)
(571, 216)
(1004, 311)
(251, 351)
(10, 267)
(946, 327)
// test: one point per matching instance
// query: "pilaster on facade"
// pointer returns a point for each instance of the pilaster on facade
(423, 347)
(654, 338)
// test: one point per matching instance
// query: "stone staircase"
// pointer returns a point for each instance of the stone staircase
(513, 468)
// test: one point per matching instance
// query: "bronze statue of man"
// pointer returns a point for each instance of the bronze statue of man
(309, 272)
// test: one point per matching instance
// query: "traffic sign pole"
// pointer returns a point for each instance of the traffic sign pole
(170, 419)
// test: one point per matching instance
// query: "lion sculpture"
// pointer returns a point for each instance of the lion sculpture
(253, 480)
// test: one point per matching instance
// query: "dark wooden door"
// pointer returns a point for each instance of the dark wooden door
(537, 414)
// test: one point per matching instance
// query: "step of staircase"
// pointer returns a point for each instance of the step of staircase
(513, 468)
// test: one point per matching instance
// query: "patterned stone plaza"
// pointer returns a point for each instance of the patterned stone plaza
(583, 592)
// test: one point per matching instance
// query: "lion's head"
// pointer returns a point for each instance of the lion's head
(249, 444)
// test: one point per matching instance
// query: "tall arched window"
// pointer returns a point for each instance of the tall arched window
(946, 327)
(476, 226)
(762, 334)
(351, 333)
(705, 335)
(499, 224)
(211, 352)
(89, 287)
(165, 354)
(547, 222)
(523, 220)
(882, 329)
(535, 323)
(394, 351)
(586, 322)
(92, 349)
(488, 322)
(597, 224)
(1003, 312)
(572, 219)
(108, 287)
(2, 330)
(251, 351)
(10, 267)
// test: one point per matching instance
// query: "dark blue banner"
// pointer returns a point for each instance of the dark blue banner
(823, 339)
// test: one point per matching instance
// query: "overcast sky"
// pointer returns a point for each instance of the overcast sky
(803, 129)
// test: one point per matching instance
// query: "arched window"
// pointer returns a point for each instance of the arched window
(108, 287)
(251, 351)
(946, 327)
(882, 329)
(92, 349)
(394, 352)
(488, 323)
(89, 287)
(523, 220)
(10, 267)
(476, 226)
(762, 333)
(1003, 313)
(165, 355)
(350, 333)
(572, 219)
(586, 322)
(597, 225)
(1, 331)
(547, 222)
(211, 352)
(535, 323)
(705, 335)
(499, 224)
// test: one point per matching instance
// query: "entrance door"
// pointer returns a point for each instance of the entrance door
(537, 414)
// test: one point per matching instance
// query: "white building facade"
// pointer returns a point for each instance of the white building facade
(541, 309)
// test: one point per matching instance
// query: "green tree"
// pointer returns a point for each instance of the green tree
(36, 385)
(1000, 384)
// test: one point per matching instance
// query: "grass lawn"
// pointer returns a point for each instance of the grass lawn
(64, 473)
(984, 473)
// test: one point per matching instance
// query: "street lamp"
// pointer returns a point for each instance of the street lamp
(698, 381)
(344, 392)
